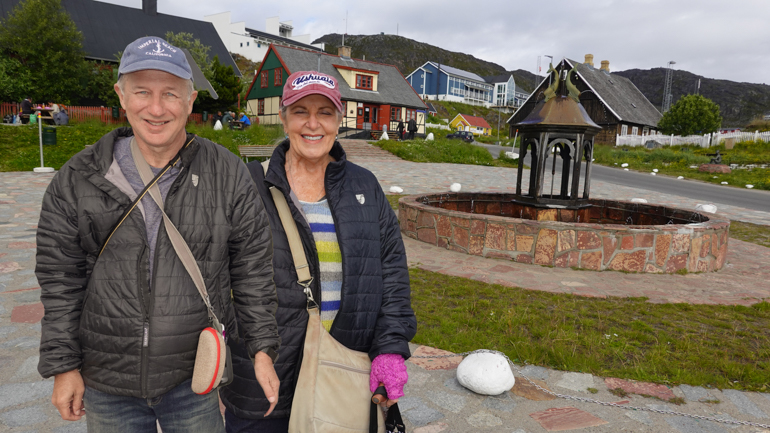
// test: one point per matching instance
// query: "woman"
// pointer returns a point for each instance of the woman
(355, 252)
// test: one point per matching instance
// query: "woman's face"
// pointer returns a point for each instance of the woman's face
(312, 124)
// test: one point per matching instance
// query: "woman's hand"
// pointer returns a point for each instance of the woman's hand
(388, 369)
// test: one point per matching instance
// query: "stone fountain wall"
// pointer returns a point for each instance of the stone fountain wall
(553, 237)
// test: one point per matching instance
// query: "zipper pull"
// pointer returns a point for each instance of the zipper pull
(146, 337)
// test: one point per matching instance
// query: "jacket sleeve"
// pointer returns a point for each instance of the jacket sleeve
(61, 271)
(396, 324)
(251, 267)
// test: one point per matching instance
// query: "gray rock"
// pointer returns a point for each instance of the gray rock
(455, 386)
(742, 402)
(450, 402)
(417, 412)
(27, 368)
(17, 393)
(576, 381)
(690, 425)
(22, 343)
(7, 330)
(27, 297)
(639, 416)
(484, 419)
(73, 427)
(535, 372)
(501, 403)
(695, 393)
(26, 416)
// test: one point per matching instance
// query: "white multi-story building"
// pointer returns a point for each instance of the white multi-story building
(253, 44)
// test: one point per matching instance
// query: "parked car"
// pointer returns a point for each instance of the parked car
(465, 136)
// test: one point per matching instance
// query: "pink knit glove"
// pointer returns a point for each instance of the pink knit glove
(389, 369)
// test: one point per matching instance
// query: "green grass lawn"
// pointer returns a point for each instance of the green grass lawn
(677, 160)
(20, 145)
(699, 345)
(442, 149)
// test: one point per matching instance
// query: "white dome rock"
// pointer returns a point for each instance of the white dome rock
(429, 137)
(512, 155)
(652, 174)
(455, 187)
(485, 374)
(680, 177)
(396, 189)
(638, 200)
(625, 164)
(710, 208)
(749, 186)
(384, 136)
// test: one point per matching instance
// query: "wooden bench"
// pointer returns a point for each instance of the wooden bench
(256, 151)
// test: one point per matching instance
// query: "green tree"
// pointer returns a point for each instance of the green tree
(225, 83)
(692, 114)
(199, 52)
(42, 37)
(15, 81)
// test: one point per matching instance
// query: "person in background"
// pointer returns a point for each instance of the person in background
(245, 119)
(227, 119)
(216, 117)
(26, 110)
(400, 129)
(412, 128)
(356, 256)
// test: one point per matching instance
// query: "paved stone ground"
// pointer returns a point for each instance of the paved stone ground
(435, 402)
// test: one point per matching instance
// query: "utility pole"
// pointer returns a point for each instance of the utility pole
(550, 58)
(667, 87)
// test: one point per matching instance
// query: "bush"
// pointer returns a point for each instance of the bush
(692, 114)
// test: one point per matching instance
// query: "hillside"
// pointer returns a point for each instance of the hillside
(738, 102)
(407, 55)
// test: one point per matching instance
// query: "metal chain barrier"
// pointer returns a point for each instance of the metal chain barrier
(603, 403)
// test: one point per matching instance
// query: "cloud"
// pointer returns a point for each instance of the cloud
(706, 37)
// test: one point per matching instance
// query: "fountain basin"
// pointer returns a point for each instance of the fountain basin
(600, 235)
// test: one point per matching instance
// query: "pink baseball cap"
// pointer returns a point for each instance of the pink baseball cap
(305, 83)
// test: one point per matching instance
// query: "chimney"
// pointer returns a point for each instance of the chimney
(606, 66)
(150, 7)
(343, 51)
(589, 60)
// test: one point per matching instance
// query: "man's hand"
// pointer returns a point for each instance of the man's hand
(67, 396)
(268, 380)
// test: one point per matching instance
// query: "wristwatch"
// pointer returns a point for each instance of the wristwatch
(271, 353)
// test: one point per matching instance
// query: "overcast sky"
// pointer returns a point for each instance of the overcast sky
(716, 39)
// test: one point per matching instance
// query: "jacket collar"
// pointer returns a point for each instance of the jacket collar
(98, 158)
(276, 171)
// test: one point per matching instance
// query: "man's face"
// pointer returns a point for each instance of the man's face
(157, 105)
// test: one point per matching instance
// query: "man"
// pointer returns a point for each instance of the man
(412, 128)
(121, 325)
(26, 110)
(400, 129)
(245, 120)
(227, 119)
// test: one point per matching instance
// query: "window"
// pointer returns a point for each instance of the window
(374, 114)
(635, 131)
(624, 130)
(261, 107)
(278, 77)
(395, 113)
(241, 44)
(247, 44)
(263, 79)
(363, 82)
(411, 114)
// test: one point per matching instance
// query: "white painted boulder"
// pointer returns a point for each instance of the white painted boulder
(710, 208)
(485, 374)
(384, 135)
(429, 137)
(455, 187)
(396, 189)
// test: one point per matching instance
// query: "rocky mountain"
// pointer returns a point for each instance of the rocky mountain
(739, 103)
(407, 54)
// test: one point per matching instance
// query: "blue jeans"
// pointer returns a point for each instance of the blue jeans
(178, 411)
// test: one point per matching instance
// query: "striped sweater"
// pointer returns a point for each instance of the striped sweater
(319, 218)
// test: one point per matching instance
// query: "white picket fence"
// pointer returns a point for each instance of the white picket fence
(706, 140)
(434, 125)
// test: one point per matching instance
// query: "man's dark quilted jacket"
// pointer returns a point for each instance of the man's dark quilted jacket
(101, 316)
(375, 313)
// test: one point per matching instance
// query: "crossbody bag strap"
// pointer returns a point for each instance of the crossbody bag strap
(295, 242)
(136, 201)
(180, 246)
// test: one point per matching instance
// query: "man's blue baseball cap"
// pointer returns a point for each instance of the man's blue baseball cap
(152, 52)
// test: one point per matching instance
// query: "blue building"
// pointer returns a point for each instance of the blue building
(445, 83)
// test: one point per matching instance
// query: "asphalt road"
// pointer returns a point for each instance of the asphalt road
(709, 193)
